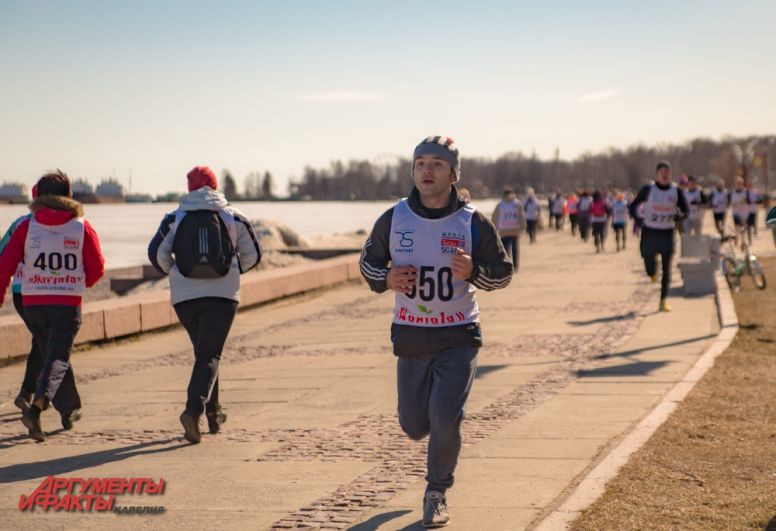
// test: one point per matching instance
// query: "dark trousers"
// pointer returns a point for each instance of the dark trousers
(653, 243)
(574, 219)
(54, 328)
(719, 221)
(207, 321)
(35, 357)
(557, 221)
(531, 229)
(584, 226)
(512, 245)
(599, 233)
(433, 390)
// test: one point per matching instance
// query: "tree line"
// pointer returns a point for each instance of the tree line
(627, 168)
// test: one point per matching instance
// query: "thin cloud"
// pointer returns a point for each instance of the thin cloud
(601, 95)
(341, 96)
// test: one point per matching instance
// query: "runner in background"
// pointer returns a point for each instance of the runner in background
(509, 219)
(693, 225)
(571, 206)
(557, 207)
(755, 199)
(583, 214)
(599, 214)
(719, 201)
(663, 201)
(620, 219)
(532, 213)
(740, 205)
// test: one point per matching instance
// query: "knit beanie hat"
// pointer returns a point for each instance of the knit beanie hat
(201, 176)
(442, 147)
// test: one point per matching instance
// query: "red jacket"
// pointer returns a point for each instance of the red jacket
(51, 210)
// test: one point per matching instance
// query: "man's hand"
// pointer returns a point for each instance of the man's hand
(462, 265)
(401, 279)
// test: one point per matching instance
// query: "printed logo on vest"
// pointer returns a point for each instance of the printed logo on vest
(405, 242)
(452, 241)
(72, 243)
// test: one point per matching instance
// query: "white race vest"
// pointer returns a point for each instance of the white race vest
(620, 212)
(584, 204)
(719, 201)
(693, 203)
(754, 196)
(53, 259)
(531, 209)
(660, 207)
(557, 207)
(508, 215)
(739, 200)
(429, 245)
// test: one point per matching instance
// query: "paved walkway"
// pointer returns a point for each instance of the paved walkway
(575, 355)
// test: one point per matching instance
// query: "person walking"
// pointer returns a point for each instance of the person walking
(434, 251)
(663, 202)
(509, 219)
(204, 246)
(60, 257)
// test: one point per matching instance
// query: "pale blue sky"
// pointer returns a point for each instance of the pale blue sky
(104, 86)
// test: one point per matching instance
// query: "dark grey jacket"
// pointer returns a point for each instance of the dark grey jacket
(492, 270)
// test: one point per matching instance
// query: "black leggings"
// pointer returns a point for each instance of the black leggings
(531, 224)
(620, 233)
(654, 242)
(599, 234)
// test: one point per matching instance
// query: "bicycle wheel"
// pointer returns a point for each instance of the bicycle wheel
(757, 273)
(729, 270)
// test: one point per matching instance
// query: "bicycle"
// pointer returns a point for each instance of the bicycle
(734, 266)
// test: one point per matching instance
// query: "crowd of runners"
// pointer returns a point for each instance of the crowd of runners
(433, 250)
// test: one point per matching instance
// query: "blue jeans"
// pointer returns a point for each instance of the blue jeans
(432, 396)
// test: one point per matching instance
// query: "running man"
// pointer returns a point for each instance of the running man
(56, 243)
(509, 219)
(661, 200)
(719, 200)
(620, 219)
(533, 211)
(432, 250)
(755, 199)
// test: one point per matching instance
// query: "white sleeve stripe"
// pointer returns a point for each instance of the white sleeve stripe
(376, 270)
(490, 280)
(372, 276)
(480, 282)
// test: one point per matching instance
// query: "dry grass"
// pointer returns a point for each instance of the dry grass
(712, 465)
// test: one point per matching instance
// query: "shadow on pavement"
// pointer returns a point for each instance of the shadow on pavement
(633, 352)
(377, 520)
(636, 368)
(64, 465)
(482, 370)
(620, 317)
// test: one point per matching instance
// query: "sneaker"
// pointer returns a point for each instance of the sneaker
(435, 510)
(23, 401)
(215, 419)
(190, 424)
(653, 278)
(69, 418)
(664, 307)
(31, 421)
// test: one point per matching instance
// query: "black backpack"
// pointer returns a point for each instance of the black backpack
(202, 246)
